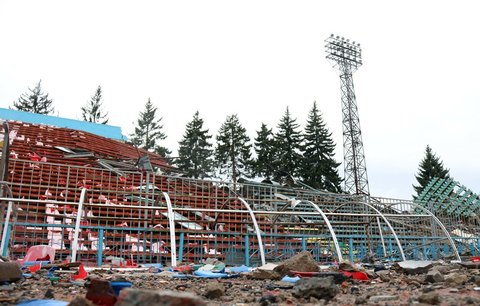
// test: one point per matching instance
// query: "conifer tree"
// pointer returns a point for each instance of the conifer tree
(265, 149)
(232, 153)
(431, 166)
(92, 112)
(148, 131)
(318, 166)
(287, 142)
(35, 101)
(195, 156)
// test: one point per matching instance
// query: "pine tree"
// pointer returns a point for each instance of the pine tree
(318, 167)
(265, 149)
(287, 142)
(92, 111)
(232, 154)
(431, 166)
(35, 101)
(148, 131)
(195, 153)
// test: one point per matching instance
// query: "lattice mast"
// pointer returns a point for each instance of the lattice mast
(346, 57)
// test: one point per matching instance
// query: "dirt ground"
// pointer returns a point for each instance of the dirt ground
(441, 284)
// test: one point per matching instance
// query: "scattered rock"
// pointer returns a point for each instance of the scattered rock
(268, 299)
(360, 300)
(415, 266)
(214, 290)
(301, 262)
(456, 279)
(49, 294)
(100, 292)
(382, 298)
(431, 298)
(348, 266)
(338, 277)
(140, 297)
(10, 272)
(470, 265)
(384, 275)
(445, 269)
(434, 276)
(317, 287)
(264, 274)
(268, 267)
(80, 301)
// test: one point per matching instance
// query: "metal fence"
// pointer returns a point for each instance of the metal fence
(107, 214)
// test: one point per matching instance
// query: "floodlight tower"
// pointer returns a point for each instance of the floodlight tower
(346, 57)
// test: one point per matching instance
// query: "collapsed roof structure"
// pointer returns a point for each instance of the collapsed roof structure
(90, 198)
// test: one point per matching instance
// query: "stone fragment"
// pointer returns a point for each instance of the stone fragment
(80, 301)
(301, 262)
(264, 274)
(49, 294)
(360, 300)
(268, 266)
(384, 275)
(445, 269)
(317, 287)
(382, 298)
(141, 297)
(456, 279)
(348, 266)
(434, 276)
(431, 298)
(10, 272)
(214, 290)
(100, 292)
(415, 266)
(475, 279)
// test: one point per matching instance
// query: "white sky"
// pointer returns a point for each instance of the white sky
(419, 84)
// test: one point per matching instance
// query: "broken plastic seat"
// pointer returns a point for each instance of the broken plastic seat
(38, 253)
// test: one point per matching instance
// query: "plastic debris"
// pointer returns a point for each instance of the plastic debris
(357, 275)
(44, 303)
(35, 267)
(240, 269)
(289, 279)
(82, 274)
(117, 286)
(209, 274)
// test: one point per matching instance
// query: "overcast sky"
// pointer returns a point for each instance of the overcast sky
(419, 84)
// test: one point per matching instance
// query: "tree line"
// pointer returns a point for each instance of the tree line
(307, 155)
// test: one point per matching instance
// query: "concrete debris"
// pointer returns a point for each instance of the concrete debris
(10, 272)
(302, 262)
(138, 297)
(392, 286)
(268, 267)
(456, 279)
(214, 290)
(80, 301)
(382, 298)
(347, 266)
(100, 292)
(415, 266)
(264, 274)
(431, 298)
(434, 276)
(316, 287)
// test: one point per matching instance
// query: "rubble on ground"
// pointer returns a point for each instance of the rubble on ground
(403, 283)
